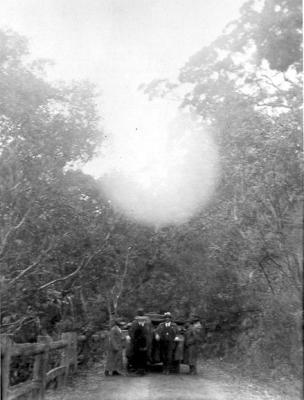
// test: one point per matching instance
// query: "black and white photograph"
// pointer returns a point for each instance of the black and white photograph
(151, 199)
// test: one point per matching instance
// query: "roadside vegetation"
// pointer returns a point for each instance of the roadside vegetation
(69, 260)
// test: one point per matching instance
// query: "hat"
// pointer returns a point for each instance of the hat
(194, 319)
(167, 315)
(116, 320)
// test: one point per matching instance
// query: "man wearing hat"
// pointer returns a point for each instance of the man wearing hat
(140, 334)
(178, 353)
(114, 360)
(193, 338)
(166, 333)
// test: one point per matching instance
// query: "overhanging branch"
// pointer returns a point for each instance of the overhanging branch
(31, 266)
(11, 230)
(266, 276)
(83, 264)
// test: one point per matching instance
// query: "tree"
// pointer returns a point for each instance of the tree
(274, 28)
(44, 129)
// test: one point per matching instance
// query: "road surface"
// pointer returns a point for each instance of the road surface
(209, 384)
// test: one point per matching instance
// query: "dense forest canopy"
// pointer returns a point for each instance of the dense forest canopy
(69, 260)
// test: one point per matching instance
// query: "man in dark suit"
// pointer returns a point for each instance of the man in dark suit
(140, 333)
(166, 333)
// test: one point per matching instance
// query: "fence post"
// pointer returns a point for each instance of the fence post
(41, 367)
(6, 349)
(65, 359)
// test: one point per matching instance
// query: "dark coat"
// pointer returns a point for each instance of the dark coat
(193, 339)
(143, 321)
(114, 351)
(140, 349)
(179, 349)
(145, 325)
(167, 343)
(167, 333)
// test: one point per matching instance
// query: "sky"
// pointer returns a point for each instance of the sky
(119, 44)
(143, 38)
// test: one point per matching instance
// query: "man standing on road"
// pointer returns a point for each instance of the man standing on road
(114, 361)
(178, 353)
(166, 334)
(193, 338)
(140, 333)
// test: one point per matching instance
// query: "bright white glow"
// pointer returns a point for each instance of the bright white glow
(159, 166)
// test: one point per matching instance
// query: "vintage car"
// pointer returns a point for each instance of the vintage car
(154, 358)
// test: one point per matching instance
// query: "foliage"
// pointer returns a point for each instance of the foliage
(44, 209)
(246, 86)
(274, 27)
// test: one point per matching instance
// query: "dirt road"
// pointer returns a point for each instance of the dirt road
(210, 384)
(160, 387)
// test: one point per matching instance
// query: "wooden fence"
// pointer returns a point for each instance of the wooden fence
(35, 388)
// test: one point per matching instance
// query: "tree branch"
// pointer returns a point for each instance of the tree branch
(11, 230)
(83, 264)
(276, 263)
(266, 276)
(125, 272)
(31, 266)
(121, 282)
(273, 104)
(270, 82)
(289, 80)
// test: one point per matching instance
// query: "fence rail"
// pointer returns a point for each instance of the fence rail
(35, 388)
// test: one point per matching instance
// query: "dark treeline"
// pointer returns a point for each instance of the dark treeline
(69, 260)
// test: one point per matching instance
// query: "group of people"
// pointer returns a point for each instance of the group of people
(169, 343)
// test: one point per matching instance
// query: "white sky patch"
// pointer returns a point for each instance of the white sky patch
(118, 44)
